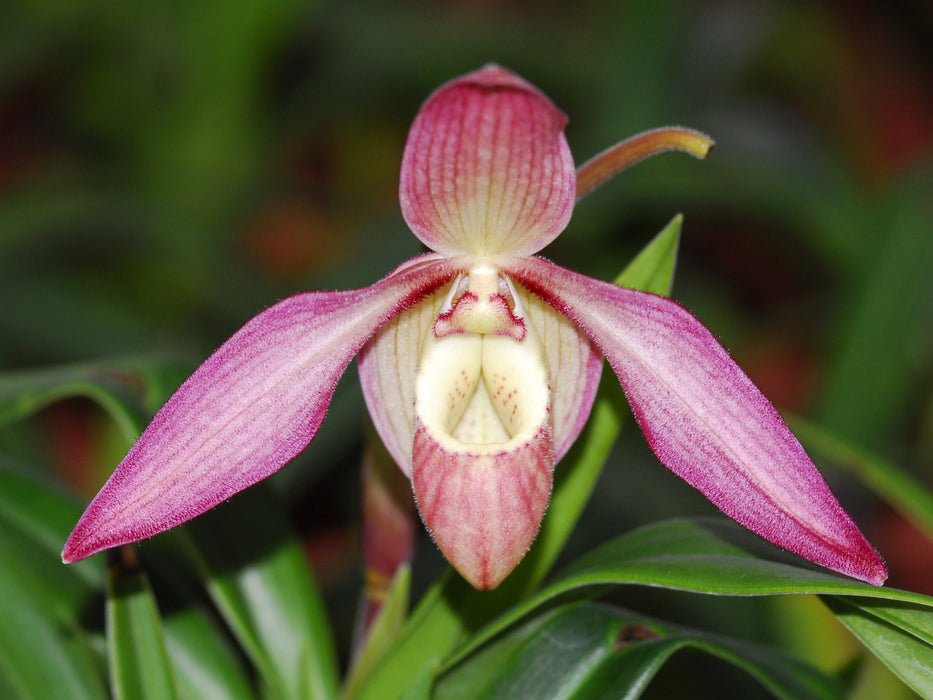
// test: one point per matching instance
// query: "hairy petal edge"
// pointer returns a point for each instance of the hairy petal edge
(250, 408)
(706, 420)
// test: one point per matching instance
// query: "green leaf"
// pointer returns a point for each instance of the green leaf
(384, 629)
(548, 656)
(258, 577)
(435, 626)
(139, 664)
(705, 555)
(41, 515)
(587, 650)
(206, 662)
(129, 391)
(206, 668)
(34, 521)
(451, 609)
(420, 687)
(627, 672)
(44, 650)
(652, 270)
(900, 633)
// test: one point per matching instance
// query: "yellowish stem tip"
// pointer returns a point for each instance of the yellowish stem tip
(617, 158)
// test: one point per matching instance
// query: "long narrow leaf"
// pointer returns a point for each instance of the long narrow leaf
(384, 628)
(587, 650)
(259, 579)
(206, 661)
(139, 664)
(422, 644)
(627, 673)
(652, 270)
(41, 516)
(43, 653)
(548, 657)
(205, 668)
(899, 633)
(705, 555)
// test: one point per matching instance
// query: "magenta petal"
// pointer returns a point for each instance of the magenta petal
(483, 509)
(250, 408)
(486, 168)
(707, 421)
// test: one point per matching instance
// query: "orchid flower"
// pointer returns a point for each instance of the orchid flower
(479, 364)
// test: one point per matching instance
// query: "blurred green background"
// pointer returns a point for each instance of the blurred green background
(168, 169)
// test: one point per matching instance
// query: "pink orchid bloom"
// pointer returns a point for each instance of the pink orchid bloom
(479, 364)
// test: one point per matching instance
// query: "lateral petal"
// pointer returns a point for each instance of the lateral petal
(706, 420)
(250, 408)
(486, 168)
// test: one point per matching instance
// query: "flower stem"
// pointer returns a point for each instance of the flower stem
(617, 158)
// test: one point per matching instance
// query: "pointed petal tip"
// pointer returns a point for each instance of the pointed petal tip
(93, 534)
(71, 552)
(830, 539)
(868, 566)
(879, 576)
(74, 550)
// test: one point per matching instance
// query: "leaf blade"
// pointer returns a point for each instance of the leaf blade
(258, 577)
(898, 633)
(702, 555)
(140, 668)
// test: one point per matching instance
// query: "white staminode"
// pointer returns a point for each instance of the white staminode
(483, 393)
